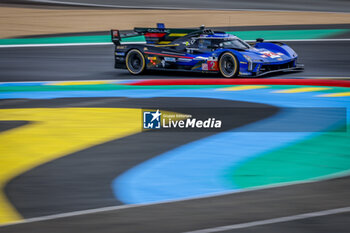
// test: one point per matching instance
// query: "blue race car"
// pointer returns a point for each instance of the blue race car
(201, 50)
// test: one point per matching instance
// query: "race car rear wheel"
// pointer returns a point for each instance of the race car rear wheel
(135, 62)
(228, 65)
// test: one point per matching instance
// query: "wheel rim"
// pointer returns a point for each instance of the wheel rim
(228, 65)
(135, 62)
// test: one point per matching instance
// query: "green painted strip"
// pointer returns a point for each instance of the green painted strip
(289, 34)
(331, 90)
(57, 40)
(246, 35)
(68, 39)
(320, 155)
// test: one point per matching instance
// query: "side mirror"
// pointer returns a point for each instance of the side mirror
(260, 40)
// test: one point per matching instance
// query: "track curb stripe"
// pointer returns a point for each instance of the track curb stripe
(306, 82)
(301, 90)
(242, 88)
(341, 94)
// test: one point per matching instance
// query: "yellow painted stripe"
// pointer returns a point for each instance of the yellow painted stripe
(164, 42)
(242, 88)
(340, 94)
(177, 34)
(55, 133)
(8, 213)
(64, 83)
(196, 66)
(167, 45)
(302, 89)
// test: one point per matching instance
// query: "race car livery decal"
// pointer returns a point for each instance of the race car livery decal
(270, 54)
(200, 58)
(170, 59)
(184, 59)
(152, 58)
(168, 55)
(213, 65)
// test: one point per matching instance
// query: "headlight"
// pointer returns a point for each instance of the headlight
(250, 63)
(247, 58)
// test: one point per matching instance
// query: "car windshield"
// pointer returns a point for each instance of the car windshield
(234, 44)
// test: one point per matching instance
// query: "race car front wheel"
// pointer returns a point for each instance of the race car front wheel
(135, 62)
(228, 65)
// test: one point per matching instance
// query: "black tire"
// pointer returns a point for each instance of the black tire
(228, 65)
(135, 62)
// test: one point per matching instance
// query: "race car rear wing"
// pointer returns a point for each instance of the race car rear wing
(158, 35)
(117, 36)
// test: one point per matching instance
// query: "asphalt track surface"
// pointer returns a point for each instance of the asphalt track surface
(63, 185)
(217, 211)
(297, 5)
(321, 59)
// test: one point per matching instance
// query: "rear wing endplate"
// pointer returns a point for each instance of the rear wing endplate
(117, 36)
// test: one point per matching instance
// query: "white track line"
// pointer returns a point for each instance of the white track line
(110, 43)
(111, 208)
(171, 8)
(273, 220)
(64, 44)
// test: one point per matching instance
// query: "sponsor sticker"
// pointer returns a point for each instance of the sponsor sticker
(170, 59)
(184, 59)
(244, 73)
(212, 59)
(204, 66)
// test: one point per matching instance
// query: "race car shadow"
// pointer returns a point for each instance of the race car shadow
(158, 74)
